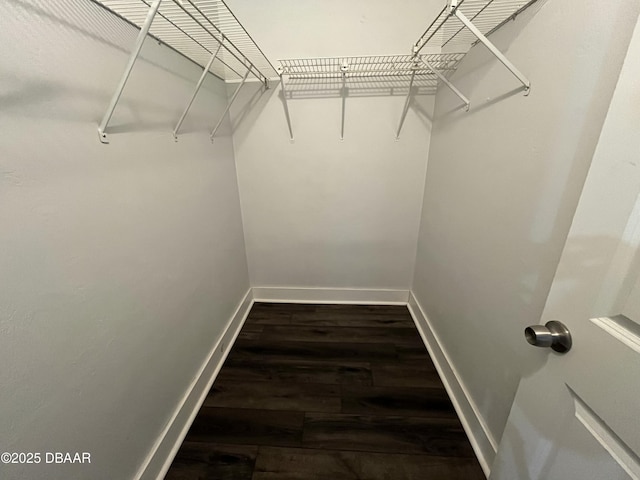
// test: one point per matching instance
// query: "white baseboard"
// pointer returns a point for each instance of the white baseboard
(330, 295)
(159, 459)
(482, 441)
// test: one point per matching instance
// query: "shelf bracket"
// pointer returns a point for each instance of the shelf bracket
(195, 92)
(492, 48)
(125, 76)
(406, 105)
(244, 60)
(446, 82)
(343, 94)
(229, 103)
(285, 104)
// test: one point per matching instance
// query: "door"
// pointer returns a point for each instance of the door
(578, 416)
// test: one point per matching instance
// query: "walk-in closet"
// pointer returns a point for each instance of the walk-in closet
(320, 239)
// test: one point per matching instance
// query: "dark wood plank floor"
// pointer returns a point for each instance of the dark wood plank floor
(316, 392)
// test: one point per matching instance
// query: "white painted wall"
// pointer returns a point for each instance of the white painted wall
(120, 264)
(328, 213)
(325, 28)
(502, 185)
(321, 212)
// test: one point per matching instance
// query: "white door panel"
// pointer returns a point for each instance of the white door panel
(578, 416)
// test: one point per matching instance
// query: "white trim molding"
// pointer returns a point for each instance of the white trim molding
(330, 295)
(481, 438)
(166, 447)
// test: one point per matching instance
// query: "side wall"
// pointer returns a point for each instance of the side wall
(121, 264)
(502, 185)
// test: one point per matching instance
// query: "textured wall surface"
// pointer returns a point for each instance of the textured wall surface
(120, 264)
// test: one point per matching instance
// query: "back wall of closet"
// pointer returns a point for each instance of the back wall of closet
(321, 212)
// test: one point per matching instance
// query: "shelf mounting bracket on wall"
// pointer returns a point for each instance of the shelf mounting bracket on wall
(444, 80)
(419, 59)
(344, 68)
(229, 103)
(205, 72)
(127, 71)
(406, 103)
(284, 102)
(205, 32)
(454, 10)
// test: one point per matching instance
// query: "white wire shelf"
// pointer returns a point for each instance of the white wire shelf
(475, 19)
(377, 75)
(209, 34)
(365, 76)
(205, 31)
(367, 66)
(195, 28)
(378, 86)
(487, 16)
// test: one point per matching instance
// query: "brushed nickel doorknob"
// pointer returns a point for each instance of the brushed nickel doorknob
(553, 334)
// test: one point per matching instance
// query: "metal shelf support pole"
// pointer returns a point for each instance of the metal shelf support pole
(343, 93)
(132, 60)
(229, 103)
(195, 92)
(492, 48)
(223, 37)
(446, 82)
(406, 105)
(286, 106)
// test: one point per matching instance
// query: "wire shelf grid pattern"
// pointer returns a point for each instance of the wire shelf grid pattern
(486, 15)
(195, 28)
(368, 66)
(385, 86)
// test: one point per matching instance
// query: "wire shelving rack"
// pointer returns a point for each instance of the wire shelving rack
(208, 33)
(474, 21)
(205, 31)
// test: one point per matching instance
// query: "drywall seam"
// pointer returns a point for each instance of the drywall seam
(164, 450)
(330, 295)
(482, 441)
